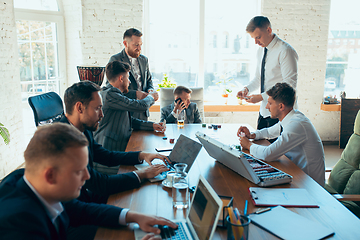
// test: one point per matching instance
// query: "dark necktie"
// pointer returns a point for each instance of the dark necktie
(262, 76)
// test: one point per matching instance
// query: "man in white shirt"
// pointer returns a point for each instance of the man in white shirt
(39, 202)
(296, 136)
(277, 62)
(140, 76)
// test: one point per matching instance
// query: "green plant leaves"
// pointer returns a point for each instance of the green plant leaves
(5, 134)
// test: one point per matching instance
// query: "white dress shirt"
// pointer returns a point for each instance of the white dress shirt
(52, 210)
(135, 69)
(299, 141)
(280, 66)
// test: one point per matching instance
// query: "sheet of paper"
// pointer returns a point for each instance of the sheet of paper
(290, 197)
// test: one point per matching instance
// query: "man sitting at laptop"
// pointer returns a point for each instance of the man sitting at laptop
(182, 103)
(39, 202)
(297, 137)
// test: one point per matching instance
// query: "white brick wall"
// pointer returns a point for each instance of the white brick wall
(10, 97)
(94, 30)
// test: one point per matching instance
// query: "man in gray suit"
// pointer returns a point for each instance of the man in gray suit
(140, 76)
(115, 128)
(182, 103)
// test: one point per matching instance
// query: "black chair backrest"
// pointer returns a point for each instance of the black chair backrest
(47, 108)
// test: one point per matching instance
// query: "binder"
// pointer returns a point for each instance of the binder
(287, 197)
(288, 225)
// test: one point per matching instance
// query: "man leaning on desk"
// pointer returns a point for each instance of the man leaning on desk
(182, 96)
(38, 202)
(297, 138)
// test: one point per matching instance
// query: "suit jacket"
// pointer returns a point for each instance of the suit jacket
(23, 216)
(192, 114)
(145, 78)
(116, 126)
(102, 184)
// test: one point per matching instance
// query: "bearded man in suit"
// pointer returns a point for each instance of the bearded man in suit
(140, 76)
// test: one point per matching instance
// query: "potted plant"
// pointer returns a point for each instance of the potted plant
(224, 81)
(166, 83)
(4, 134)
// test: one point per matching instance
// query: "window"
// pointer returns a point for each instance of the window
(216, 41)
(41, 48)
(343, 59)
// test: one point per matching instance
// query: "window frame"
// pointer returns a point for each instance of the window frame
(202, 42)
(58, 18)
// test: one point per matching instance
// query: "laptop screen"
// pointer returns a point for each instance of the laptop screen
(185, 151)
(203, 212)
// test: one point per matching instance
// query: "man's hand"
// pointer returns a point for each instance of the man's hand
(149, 157)
(255, 98)
(154, 94)
(178, 106)
(159, 127)
(151, 171)
(245, 143)
(147, 222)
(243, 93)
(246, 131)
(141, 95)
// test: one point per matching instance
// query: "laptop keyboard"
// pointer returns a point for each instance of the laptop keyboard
(173, 234)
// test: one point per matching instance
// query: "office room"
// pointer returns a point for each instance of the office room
(89, 32)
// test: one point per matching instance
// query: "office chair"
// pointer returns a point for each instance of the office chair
(47, 108)
(344, 179)
(197, 96)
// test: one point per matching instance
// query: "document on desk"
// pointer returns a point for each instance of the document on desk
(287, 197)
(288, 225)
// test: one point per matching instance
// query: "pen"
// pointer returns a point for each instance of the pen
(262, 210)
(245, 208)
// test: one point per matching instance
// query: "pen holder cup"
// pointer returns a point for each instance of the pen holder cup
(227, 202)
(238, 231)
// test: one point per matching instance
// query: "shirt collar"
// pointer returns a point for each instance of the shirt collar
(132, 60)
(287, 118)
(273, 42)
(53, 210)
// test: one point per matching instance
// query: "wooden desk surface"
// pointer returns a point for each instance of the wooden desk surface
(153, 198)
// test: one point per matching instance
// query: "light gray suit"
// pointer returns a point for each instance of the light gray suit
(116, 126)
(145, 78)
(192, 114)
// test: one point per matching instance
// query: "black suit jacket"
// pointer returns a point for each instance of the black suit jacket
(145, 78)
(102, 184)
(23, 216)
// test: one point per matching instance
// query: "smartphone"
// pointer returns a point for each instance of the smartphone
(178, 100)
(163, 149)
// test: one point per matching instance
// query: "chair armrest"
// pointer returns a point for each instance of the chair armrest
(347, 197)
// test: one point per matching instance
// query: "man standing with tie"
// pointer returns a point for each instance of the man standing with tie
(140, 77)
(277, 62)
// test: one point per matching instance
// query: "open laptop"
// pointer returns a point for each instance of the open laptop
(253, 169)
(184, 151)
(202, 217)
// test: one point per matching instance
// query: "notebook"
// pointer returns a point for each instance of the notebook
(203, 214)
(247, 166)
(288, 225)
(184, 151)
(286, 197)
